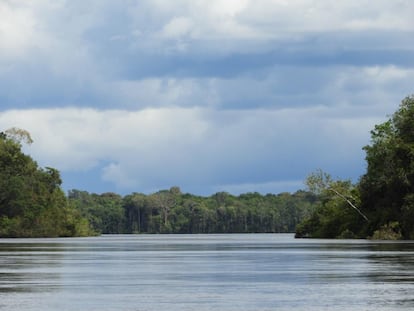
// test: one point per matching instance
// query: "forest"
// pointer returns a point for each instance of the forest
(379, 206)
(170, 211)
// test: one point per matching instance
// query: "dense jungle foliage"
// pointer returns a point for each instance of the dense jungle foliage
(170, 211)
(32, 203)
(381, 204)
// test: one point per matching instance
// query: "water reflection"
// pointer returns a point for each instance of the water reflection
(28, 267)
(205, 272)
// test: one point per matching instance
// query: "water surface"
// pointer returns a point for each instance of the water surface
(205, 272)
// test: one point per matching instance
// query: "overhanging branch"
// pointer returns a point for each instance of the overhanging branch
(350, 203)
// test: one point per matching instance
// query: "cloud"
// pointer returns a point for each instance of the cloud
(17, 30)
(311, 16)
(267, 19)
(177, 27)
(195, 148)
(274, 87)
(131, 55)
(214, 94)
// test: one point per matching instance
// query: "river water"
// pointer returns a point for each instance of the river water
(205, 272)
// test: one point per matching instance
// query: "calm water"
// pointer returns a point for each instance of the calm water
(205, 272)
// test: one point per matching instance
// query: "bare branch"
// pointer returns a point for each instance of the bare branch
(19, 135)
(350, 203)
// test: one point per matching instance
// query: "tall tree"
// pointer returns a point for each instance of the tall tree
(387, 188)
(384, 194)
(32, 203)
(337, 214)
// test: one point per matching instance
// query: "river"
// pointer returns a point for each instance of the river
(205, 272)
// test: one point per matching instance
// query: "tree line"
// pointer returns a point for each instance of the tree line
(171, 211)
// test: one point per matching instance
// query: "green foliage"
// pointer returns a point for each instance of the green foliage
(390, 231)
(103, 212)
(32, 203)
(387, 188)
(337, 214)
(170, 211)
(384, 196)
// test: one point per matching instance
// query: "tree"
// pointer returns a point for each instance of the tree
(384, 196)
(170, 211)
(105, 212)
(387, 188)
(320, 182)
(18, 135)
(337, 214)
(164, 201)
(32, 204)
(135, 213)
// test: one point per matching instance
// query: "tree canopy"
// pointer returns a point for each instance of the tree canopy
(384, 195)
(171, 211)
(387, 187)
(32, 203)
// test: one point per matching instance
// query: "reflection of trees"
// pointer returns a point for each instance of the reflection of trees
(29, 267)
(391, 266)
(392, 262)
(354, 261)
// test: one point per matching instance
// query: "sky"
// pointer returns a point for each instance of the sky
(208, 95)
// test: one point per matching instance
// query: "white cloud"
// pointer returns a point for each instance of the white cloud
(177, 27)
(274, 16)
(114, 173)
(16, 30)
(164, 92)
(51, 24)
(265, 19)
(379, 88)
(238, 93)
(227, 8)
(385, 75)
(76, 138)
(261, 20)
(156, 148)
